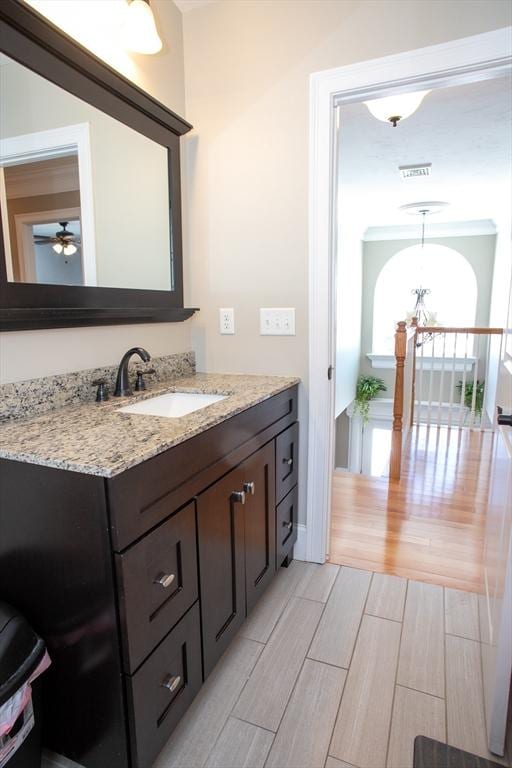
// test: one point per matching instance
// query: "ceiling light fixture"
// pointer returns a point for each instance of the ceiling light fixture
(392, 109)
(139, 31)
(423, 316)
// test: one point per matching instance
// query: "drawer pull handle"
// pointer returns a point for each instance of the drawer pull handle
(164, 580)
(250, 488)
(287, 525)
(238, 496)
(171, 682)
(289, 462)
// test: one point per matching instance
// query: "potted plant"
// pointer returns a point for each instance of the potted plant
(367, 389)
(468, 395)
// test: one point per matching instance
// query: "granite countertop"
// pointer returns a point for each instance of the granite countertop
(94, 438)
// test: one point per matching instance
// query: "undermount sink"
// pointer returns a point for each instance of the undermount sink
(173, 405)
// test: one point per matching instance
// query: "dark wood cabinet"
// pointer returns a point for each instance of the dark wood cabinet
(139, 582)
(163, 688)
(236, 535)
(258, 482)
(220, 517)
(157, 580)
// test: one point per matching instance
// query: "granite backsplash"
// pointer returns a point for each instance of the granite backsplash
(37, 396)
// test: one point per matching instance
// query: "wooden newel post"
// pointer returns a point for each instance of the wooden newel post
(395, 462)
(414, 324)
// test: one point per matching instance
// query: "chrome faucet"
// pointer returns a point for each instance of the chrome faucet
(123, 387)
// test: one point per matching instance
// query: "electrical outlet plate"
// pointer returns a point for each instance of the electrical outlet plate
(277, 321)
(227, 320)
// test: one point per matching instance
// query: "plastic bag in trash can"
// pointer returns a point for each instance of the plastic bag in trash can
(17, 715)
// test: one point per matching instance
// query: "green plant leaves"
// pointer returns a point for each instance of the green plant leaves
(366, 389)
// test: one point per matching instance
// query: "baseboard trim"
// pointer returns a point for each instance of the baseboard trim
(299, 549)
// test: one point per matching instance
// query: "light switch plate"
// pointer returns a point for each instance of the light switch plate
(227, 320)
(277, 321)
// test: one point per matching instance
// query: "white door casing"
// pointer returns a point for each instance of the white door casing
(469, 59)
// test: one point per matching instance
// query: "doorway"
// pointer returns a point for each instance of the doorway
(478, 58)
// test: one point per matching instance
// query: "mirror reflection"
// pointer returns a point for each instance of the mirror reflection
(84, 198)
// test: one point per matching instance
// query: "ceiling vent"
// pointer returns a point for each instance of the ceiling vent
(415, 171)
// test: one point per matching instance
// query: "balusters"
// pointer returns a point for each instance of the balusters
(462, 403)
(452, 379)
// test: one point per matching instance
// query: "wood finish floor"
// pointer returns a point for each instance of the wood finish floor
(428, 526)
(339, 668)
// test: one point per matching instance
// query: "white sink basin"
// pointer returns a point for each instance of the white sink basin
(173, 405)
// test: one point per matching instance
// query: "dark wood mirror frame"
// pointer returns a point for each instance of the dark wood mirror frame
(29, 39)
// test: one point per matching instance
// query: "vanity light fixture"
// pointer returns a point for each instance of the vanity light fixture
(392, 109)
(139, 32)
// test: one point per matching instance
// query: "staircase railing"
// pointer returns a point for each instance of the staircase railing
(451, 373)
(441, 375)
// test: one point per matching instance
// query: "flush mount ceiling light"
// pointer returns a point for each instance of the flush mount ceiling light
(392, 109)
(424, 208)
(139, 31)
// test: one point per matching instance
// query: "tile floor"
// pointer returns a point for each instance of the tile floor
(341, 668)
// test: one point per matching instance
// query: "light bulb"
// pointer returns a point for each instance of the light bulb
(69, 249)
(139, 31)
(392, 109)
(58, 248)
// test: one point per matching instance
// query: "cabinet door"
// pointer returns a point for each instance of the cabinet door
(258, 483)
(220, 516)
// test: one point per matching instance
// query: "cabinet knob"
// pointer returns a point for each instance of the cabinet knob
(171, 682)
(164, 580)
(250, 488)
(288, 525)
(289, 462)
(238, 497)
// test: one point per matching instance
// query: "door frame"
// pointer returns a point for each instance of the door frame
(468, 59)
(58, 142)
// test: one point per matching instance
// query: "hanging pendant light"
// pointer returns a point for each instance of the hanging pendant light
(392, 109)
(421, 314)
(139, 32)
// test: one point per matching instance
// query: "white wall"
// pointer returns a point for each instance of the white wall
(247, 70)
(29, 354)
(501, 287)
(349, 271)
(479, 251)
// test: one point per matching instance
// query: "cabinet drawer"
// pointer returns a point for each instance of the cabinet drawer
(287, 461)
(157, 584)
(286, 525)
(163, 688)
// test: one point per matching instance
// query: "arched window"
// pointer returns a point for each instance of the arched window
(447, 275)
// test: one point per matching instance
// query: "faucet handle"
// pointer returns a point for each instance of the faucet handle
(140, 384)
(102, 392)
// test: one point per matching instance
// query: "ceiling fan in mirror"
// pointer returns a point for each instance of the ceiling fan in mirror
(64, 241)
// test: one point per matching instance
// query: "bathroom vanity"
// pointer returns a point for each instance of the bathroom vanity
(137, 545)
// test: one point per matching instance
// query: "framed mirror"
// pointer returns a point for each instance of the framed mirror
(90, 199)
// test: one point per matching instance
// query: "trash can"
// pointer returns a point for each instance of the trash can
(23, 658)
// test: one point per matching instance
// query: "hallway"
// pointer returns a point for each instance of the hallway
(428, 526)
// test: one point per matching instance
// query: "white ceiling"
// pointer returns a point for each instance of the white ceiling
(465, 132)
